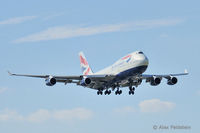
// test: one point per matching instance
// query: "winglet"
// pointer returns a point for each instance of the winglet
(10, 73)
(185, 71)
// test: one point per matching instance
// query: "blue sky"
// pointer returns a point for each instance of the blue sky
(44, 37)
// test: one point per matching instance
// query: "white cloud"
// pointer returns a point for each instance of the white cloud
(62, 32)
(10, 115)
(43, 115)
(78, 113)
(17, 20)
(3, 90)
(39, 116)
(156, 105)
(125, 110)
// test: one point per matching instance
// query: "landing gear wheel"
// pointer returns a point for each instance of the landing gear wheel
(130, 87)
(106, 92)
(99, 92)
(131, 92)
(120, 92)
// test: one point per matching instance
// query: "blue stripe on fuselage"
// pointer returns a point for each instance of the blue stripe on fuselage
(131, 72)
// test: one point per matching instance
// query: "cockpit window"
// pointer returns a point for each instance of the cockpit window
(140, 52)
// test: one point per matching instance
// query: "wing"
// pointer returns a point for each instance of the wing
(96, 80)
(153, 79)
(156, 79)
(167, 76)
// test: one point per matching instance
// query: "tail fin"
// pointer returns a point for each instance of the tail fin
(84, 65)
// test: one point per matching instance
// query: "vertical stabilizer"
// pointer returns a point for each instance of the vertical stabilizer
(84, 65)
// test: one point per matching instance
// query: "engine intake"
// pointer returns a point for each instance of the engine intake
(155, 81)
(172, 81)
(85, 81)
(50, 81)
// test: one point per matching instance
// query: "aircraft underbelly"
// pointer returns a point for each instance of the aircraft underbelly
(131, 72)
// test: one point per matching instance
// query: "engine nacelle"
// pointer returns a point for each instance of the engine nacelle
(85, 81)
(172, 81)
(155, 81)
(50, 81)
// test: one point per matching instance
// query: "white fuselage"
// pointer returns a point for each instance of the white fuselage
(130, 62)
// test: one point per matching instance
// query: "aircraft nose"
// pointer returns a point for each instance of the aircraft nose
(142, 59)
(146, 61)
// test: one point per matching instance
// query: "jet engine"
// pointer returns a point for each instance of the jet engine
(172, 81)
(85, 81)
(155, 81)
(50, 81)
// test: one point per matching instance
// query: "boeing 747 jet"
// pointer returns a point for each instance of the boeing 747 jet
(126, 72)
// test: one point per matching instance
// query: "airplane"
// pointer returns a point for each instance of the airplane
(126, 72)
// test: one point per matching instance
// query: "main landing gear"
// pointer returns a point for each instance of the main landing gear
(99, 92)
(118, 92)
(131, 90)
(107, 92)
